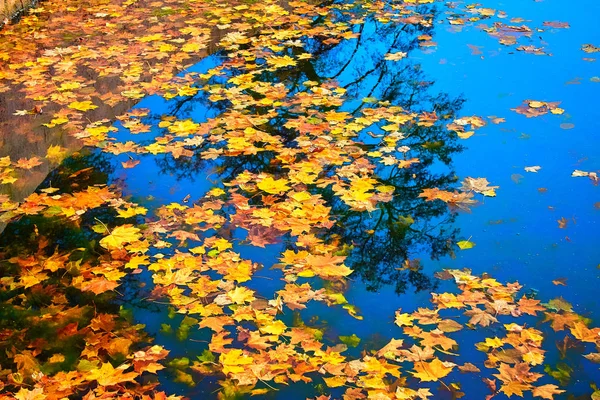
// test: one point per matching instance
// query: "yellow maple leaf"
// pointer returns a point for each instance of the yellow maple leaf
(82, 105)
(184, 128)
(56, 154)
(69, 86)
(56, 121)
(404, 319)
(273, 186)
(32, 280)
(335, 381)
(222, 245)
(132, 94)
(241, 273)
(240, 295)
(465, 244)
(56, 358)
(516, 388)
(495, 342)
(279, 62)
(432, 371)
(233, 360)
(533, 358)
(109, 376)
(274, 328)
(136, 261)
(132, 211)
(119, 236)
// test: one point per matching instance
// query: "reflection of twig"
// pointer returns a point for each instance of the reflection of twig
(266, 383)
(104, 225)
(445, 352)
(263, 277)
(360, 31)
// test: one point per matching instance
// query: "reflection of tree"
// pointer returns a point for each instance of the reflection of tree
(384, 238)
(76, 173)
(48, 319)
(44, 235)
(406, 225)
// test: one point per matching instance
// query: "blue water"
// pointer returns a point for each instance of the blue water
(528, 246)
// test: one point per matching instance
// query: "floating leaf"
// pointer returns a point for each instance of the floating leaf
(119, 236)
(465, 244)
(432, 371)
(351, 341)
(82, 105)
(534, 168)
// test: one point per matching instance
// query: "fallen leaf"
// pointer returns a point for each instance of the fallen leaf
(562, 223)
(82, 105)
(130, 163)
(468, 367)
(567, 126)
(432, 371)
(465, 244)
(547, 391)
(516, 178)
(119, 236)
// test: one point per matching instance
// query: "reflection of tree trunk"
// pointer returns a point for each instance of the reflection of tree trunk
(10, 8)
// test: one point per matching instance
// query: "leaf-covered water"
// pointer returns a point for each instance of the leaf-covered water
(290, 216)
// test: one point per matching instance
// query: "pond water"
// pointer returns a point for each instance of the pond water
(540, 229)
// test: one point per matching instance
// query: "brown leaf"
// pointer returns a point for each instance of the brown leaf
(449, 325)
(562, 223)
(130, 163)
(468, 367)
(480, 317)
(560, 281)
(547, 391)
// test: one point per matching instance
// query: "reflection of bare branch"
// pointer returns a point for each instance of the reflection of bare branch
(358, 42)
(382, 242)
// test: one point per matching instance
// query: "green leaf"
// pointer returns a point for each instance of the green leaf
(351, 341)
(352, 310)
(184, 377)
(166, 328)
(87, 365)
(207, 356)
(99, 228)
(179, 363)
(562, 373)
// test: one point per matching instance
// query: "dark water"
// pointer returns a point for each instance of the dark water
(516, 233)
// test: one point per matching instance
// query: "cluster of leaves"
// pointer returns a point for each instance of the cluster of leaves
(62, 335)
(517, 33)
(534, 108)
